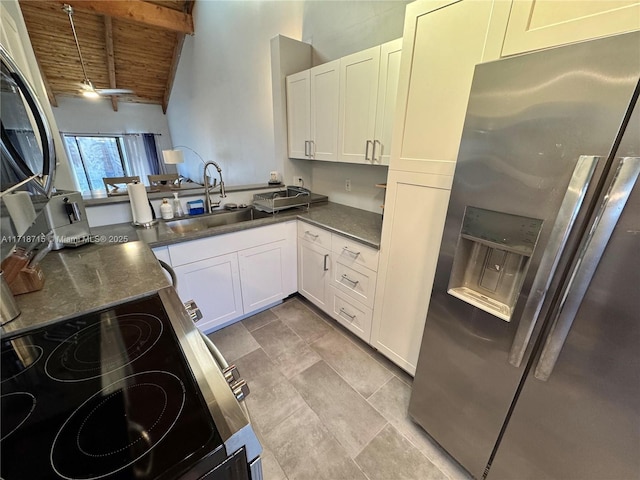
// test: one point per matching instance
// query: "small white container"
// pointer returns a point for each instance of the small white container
(165, 210)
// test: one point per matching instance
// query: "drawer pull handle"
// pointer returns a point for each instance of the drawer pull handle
(346, 249)
(326, 257)
(354, 282)
(307, 232)
(344, 312)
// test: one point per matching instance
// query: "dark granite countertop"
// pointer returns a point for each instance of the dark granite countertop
(121, 267)
(354, 223)
(87, 279)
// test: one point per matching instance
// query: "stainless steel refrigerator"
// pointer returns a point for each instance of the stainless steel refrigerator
(530, 362)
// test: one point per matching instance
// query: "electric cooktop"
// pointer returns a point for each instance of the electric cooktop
(106, 395)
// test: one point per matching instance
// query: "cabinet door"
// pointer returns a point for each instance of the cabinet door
(358, 94)
(313, 273)
(214, 284)
(535, 24)
(298, 114)
(262, 275)
(442, 44)
(324, 111)
(415, 212)
(390, 54)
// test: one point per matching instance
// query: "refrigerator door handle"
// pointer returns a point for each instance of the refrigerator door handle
(587, 261)
(571, 204)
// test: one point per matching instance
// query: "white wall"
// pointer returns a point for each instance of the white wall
(81, 115)
(221, 102)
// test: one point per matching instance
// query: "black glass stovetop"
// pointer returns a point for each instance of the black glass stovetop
(107, 395)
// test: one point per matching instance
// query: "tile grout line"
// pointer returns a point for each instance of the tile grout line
(372, 439)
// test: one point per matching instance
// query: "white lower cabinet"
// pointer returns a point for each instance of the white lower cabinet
(262, 270)
(332, 275)
(214, 284)
(237, 274)
(313, 272)
(415, 211)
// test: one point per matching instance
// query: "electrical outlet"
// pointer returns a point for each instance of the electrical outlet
(347, 185)
(298, 181)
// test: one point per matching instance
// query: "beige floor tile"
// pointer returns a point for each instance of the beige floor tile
(357, 367)
(259, 320)
(306, 323)
(392, 401)
(391, 456)
(272, 398)
(348, 416)
(285, 348)
(234, 341)
(271, 469)
(306, 450)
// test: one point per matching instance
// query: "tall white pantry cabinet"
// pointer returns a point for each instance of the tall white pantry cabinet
(443, 41)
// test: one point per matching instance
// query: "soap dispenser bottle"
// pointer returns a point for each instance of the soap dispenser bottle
(177, 207)
(165, 210)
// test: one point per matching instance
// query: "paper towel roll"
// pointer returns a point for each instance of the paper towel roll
(140, 207)
(20, 210)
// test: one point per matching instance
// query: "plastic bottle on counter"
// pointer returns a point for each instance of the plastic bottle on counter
(177, 207)
(165, 210)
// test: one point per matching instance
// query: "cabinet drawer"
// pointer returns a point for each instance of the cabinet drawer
(356, 281)
(352, 314)
(313, 234)
(351, 252)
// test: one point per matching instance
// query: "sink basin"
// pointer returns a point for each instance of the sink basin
(216, 219)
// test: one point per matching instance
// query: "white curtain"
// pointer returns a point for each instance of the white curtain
(137, 156)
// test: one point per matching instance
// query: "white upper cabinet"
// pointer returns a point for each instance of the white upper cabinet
(312, 112)
(324, 111)
(358, 97)
(443, 41)
(541, 24)
(390, 54)
(368, 88)
(299, 114)
(343, 110)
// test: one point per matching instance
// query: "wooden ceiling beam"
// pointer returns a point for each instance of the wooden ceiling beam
(137, 11)
(111, 63)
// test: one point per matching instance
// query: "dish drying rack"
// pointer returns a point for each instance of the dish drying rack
(273, 202)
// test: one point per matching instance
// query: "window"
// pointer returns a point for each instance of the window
(95, 157)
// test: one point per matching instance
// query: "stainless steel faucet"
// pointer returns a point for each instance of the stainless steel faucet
(207, 188)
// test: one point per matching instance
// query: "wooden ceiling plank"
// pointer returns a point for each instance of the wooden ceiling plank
(111, 63)
(137, 11)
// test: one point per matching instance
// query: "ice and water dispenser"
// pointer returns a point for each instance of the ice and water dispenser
(492, 256)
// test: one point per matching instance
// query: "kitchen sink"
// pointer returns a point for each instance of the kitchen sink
(215, 219)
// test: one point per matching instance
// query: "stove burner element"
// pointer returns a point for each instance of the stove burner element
(16, 408)
(118, 427)
(121, 340)
(17, 359)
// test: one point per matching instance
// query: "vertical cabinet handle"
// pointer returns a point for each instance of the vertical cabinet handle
(373, 155)
(366, 150)
(312, 148)
(306, 148)
(587, 261)
(571, 203)
(326, 257)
